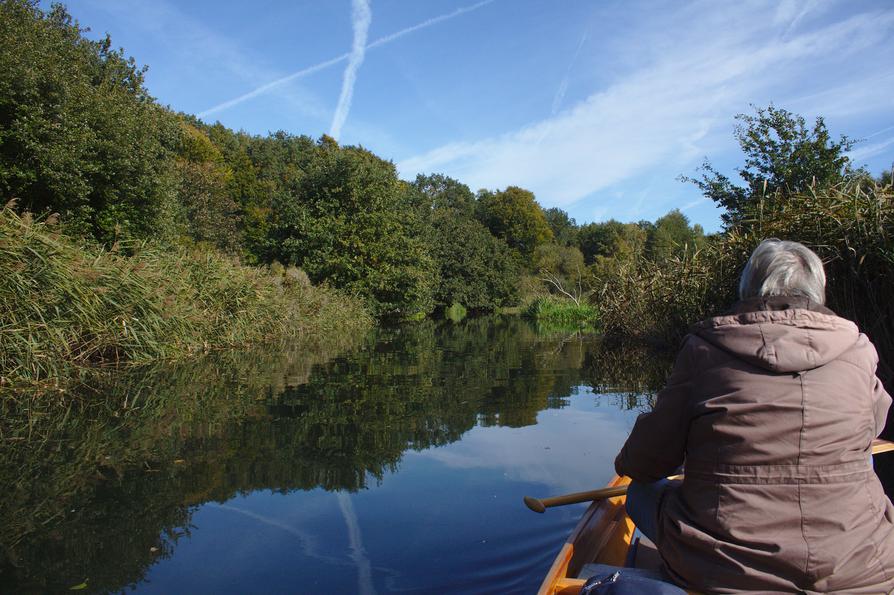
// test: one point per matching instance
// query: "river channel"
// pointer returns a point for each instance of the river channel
(395, 463)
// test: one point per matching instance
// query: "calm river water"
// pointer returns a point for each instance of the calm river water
(397, 464)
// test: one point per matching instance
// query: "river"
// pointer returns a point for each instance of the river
(392, 463)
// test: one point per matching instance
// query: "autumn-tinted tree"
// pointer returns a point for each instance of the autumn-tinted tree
(205, 191)
(515, 216)
(247, 190)
(783, 156)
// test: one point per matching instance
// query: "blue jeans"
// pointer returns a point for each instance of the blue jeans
(643, 500)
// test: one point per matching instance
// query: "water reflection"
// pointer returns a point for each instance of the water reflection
(401, 457)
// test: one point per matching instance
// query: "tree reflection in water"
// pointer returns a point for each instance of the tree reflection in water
(101, 483)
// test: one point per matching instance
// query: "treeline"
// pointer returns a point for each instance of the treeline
(80, 136)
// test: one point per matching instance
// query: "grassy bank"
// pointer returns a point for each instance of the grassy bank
(66, 302)
(851, 226)
(561, 314)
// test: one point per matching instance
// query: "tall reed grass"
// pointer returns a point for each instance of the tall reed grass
(66, 302)
(851, 226)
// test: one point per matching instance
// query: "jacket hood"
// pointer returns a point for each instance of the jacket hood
(780, 334)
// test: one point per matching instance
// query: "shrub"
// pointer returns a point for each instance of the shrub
(64, 302)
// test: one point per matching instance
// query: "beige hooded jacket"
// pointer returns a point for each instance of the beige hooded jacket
(774, 408)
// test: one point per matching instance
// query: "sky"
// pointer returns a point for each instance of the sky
(597, 106)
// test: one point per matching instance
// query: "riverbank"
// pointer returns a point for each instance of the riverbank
(66, 303)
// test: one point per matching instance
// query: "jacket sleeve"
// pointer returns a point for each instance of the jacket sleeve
(881, 402)
(657, 443)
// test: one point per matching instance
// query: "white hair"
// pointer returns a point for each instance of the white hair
(779, 267)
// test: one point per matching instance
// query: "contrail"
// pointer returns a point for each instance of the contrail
(563, 86)
(361, 17)
(333, 61)
(266, 87)
(358, 552)
(428, 23)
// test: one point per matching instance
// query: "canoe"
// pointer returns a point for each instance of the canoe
(603, 535)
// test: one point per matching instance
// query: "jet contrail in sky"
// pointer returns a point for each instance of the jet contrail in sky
(333, 61)
(361, 17)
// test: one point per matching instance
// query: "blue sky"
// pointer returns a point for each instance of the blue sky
(596, 106)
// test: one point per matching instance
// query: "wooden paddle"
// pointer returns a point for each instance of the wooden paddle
(540, 505)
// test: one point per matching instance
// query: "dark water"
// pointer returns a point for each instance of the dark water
(398, 465)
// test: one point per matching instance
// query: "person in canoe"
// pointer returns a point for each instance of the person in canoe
(771, 409)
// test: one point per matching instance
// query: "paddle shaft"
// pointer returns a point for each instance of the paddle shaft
(540, 505)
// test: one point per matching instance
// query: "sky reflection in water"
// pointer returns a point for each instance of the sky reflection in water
(450, 520)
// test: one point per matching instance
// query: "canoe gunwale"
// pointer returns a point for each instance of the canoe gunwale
(602, 534)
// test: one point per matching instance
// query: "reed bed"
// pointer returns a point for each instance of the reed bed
(66, 302)
(850, 226)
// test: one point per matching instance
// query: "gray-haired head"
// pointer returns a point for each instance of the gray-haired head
(779, 267)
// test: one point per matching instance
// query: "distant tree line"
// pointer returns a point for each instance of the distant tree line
(81, 136)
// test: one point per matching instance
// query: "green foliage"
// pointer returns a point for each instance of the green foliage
(455, 312)
(612, 238)
(886, 178)
(515, 216)
(79, 134)
(783, 157)
(672, 236)
(562, 314)
(474, 268)
(565, 261)
(204, 191)
(851, 226)
(564, 227)
(442, 192)
(66, 302)
(349, 221)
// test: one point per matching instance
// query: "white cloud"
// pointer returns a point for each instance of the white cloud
(571, 463)
(660, 113)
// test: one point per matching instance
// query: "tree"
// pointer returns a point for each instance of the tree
(561, 268)
(346, 219)
(438, 191)
(475, 268)
(205, 192)
(515, 216)
(564, 227)
(782, 157)
(79, 133)
(612, 239)
(885, 178)
(672, 236)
